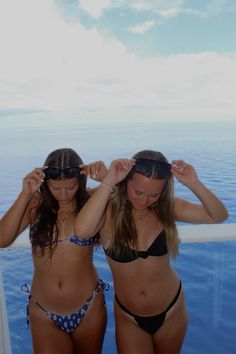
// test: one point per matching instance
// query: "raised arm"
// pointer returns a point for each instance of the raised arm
(210, 210)
(96, 171)
(90, 218)
(17, 218)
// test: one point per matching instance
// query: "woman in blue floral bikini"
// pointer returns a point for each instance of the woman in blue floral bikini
(66, 308)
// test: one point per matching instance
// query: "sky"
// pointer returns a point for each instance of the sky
(118, 60)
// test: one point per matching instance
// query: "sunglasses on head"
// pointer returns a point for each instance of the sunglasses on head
(68, 172)
(148, 167)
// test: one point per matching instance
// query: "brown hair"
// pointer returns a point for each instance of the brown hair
(44, 228)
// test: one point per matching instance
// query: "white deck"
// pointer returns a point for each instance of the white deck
(187, 234)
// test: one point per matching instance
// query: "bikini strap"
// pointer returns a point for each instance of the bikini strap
(167, 309)
(91, 241)
(105, 286)
(81, 241)
(175, 298)
(123, 307)
(25, 289)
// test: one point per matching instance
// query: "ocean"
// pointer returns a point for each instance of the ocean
(207, 270)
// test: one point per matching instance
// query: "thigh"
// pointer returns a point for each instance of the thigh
(130, 338)
(46, 336)
(89, 335)
(170, 336)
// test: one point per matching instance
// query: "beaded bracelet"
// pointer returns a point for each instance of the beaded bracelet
(108, 186)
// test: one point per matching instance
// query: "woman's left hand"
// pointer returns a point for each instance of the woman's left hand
(96, 170)
(184, 172)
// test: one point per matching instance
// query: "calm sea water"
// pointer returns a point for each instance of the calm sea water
(207, 270)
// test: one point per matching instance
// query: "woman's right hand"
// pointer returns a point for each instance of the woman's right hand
(33, 181)
(118, 170)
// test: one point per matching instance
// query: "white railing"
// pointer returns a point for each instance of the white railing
(187, 234)
(207, 233)
(5, 344)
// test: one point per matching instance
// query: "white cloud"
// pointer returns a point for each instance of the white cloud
(141, 5)
(48, 64)
(168, 9)
(141, 27)
(169, 12)
(94, 7)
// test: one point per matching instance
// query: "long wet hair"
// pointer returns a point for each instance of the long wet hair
(124, 233)
(44, 228)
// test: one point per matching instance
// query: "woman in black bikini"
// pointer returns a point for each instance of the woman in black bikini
(135, 211)
(66, 302)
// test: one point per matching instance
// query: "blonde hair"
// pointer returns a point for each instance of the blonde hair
(123, 230)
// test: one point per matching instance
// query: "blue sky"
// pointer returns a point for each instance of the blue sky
(118, 60)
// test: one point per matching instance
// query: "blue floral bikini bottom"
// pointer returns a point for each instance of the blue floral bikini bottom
(69, 322)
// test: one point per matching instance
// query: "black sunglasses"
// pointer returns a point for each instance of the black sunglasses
(148, 167)
(68, 172)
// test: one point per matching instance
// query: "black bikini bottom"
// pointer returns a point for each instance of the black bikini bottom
(151, 324)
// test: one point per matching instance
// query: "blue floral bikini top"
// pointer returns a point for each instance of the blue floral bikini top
(91, 241)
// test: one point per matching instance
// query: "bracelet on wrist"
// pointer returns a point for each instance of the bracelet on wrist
(108, 186)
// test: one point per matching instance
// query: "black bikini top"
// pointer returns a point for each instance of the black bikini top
(157, 248)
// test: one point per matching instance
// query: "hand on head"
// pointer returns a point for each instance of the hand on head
(33, 181)
(118, 170)
(183, 172)
(96, 170)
